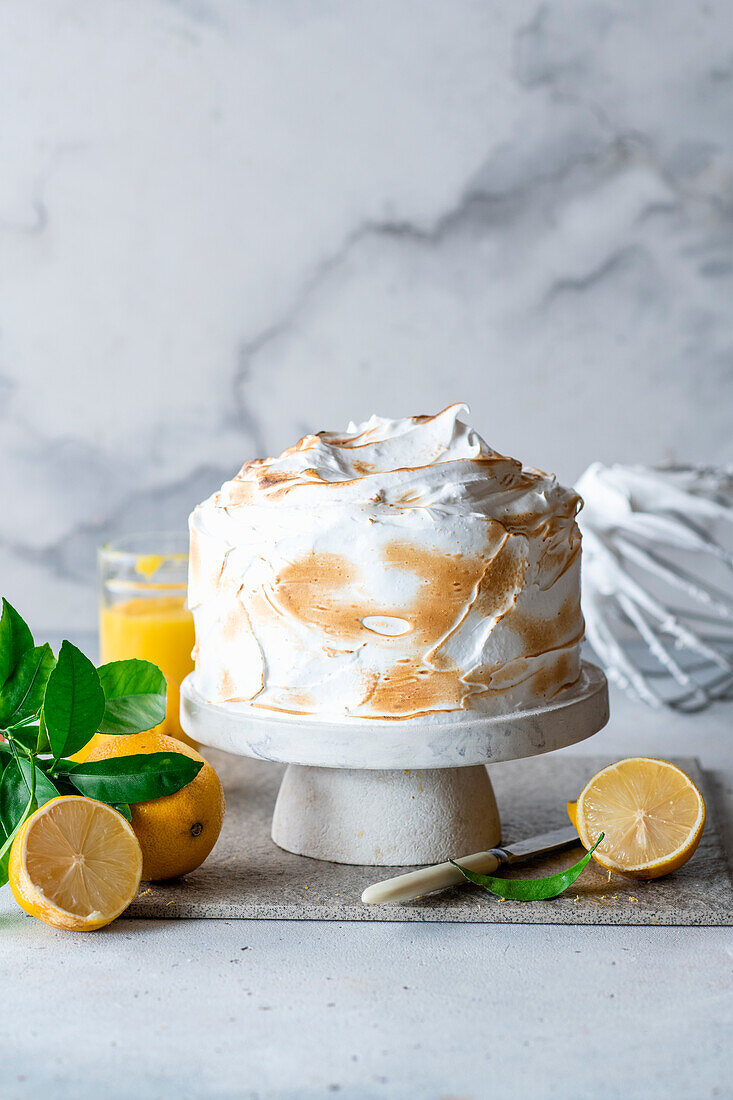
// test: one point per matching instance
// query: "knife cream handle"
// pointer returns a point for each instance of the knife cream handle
(415, 883)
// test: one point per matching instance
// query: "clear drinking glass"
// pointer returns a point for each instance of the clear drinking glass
(143, 611)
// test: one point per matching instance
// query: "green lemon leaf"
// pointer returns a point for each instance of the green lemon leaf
(60, 784)
(122, 808)
(22, 694)
(27, 736)
(74, 701)
(15, 640)
(530, 889)
(135, 694)
(46, 789)
(25, 812)
(15, 791)
(132, 778)
(13, 797)
(3, 831)
(42, 742)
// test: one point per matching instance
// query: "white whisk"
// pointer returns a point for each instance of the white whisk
(658, 580)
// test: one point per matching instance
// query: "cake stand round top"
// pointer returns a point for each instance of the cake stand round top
(451, 739)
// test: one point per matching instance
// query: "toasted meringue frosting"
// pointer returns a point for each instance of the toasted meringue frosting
(396, 569)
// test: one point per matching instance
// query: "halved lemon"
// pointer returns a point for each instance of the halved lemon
(75, 864)
(650, 812)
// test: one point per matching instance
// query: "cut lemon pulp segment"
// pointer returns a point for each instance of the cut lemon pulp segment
(75, 864)
(651, 813)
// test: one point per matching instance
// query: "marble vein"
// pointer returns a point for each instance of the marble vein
(223, 225)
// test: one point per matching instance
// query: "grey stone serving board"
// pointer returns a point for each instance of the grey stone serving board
(248, 876)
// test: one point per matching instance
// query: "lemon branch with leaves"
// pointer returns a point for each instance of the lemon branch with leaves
(52, 706)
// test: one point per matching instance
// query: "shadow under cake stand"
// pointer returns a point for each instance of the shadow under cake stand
(397, 792)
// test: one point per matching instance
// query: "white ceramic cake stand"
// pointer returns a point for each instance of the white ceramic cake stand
(397, 792)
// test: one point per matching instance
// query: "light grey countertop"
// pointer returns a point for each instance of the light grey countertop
(285, 1008)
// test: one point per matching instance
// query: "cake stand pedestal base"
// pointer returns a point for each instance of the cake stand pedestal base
(385, 818)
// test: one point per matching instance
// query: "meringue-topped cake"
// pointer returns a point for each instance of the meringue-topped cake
(399, 568)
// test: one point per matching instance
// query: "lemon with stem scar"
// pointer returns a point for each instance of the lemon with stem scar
(178, 831)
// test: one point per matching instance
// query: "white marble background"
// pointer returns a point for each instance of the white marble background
(226, 223)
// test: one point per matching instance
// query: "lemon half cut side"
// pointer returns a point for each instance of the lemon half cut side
(75, 864)
(650, 811)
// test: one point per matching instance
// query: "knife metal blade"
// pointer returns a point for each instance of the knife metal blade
(428, 879)
(537, 845)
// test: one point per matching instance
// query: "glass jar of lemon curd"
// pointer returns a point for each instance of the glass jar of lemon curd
(143, 611)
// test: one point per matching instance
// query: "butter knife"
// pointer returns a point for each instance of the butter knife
(428, 879)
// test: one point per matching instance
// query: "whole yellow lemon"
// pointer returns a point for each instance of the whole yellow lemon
(176, 832)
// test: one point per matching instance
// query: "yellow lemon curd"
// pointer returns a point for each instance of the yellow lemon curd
(156, 628)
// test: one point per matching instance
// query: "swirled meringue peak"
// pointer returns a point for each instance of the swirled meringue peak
(395, 569)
